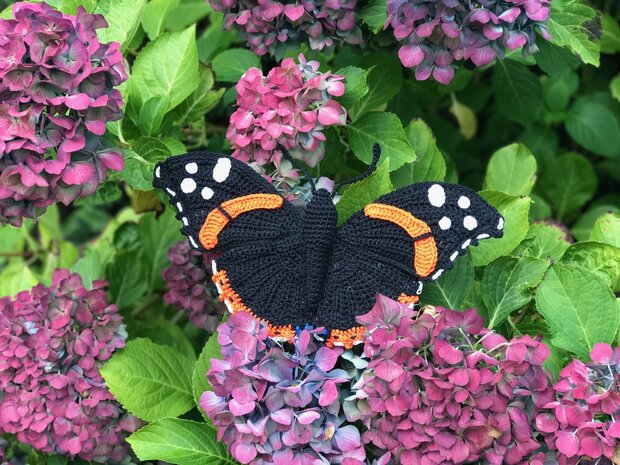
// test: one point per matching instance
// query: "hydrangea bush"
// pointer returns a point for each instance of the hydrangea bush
(57, 83)
(514, 349)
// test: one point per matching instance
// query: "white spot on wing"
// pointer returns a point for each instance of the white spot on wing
(188, 185)
(500, 223)
(191, 168)
(228, 306)
(420, 287)
(437, 274)
(213, 267)
(470, 223)
(179, 207)
(483, 236)
(454, 256)
(171, 192)
(193, 242)
(158, 172)
(466, 244)
(185, 221)
(206, 193)
(436, 195)
(222, 169)
(464, 202)
(445, 223)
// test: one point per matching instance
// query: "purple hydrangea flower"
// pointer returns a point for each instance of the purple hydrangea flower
(442, 389)
(56, 95)
(290, 106)
(583, 424)
(52, 342)
(279, 404)
(190, 288)
(271, 26)
(437, 33)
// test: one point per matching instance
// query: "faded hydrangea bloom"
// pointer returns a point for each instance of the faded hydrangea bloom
(271, 26)
(441, 389)
(279, 404)
(56, 95)
(290, 106)
(437, 33)
(583, 424)
(190, 288)
(52, 342)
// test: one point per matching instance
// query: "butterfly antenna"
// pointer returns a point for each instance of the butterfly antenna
(298, 166)
(376, 154)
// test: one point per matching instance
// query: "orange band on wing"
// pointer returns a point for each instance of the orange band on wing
(408, 299)
(216, 220)
(425, 259)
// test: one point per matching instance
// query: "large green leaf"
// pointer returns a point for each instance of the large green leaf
(607, 229)
(584, 225)
(384, 81)
(230, 65)
(356, 85)
(149, 380)
(181, 442)
(543, 241)
(429, 165)
(155, 15)
(152, 114)
(518, 90)
(598, 257)
(374, 15)
(385, 129)
(140, 162)
(16, 277)
(200, 383)
(595, 127)
(567, 26)
(555, 60)
(568, 183)
(199, 103)
(363, 192)
(168, 67)
(123, 18)
(579, 307)
(507, 285)
(126, 277)
(515, 211)
(451, 289)
(610, 40)
(511, 170)
(163, 332)
(614, 87)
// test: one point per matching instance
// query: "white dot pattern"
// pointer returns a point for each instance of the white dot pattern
(179, 207)
(466, 244)
(464, 202)
(436, 195)
(188, 185)
(185, 221)
(206, 193)
(222, 169)
(500, 223)
(445, 223)
(191, 168)
(454, 256)
(193, 242)
(171, 192)
(470, 223)
(158, 172)
(437, 274)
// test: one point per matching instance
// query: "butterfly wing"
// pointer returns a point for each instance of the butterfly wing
(399, 241)
(228, 209)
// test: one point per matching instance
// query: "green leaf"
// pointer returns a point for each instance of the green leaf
(607, 229)
(155, 15)
(158, 235)
(569, 191)
(598, 257)
(559, 90)
(374, 15)
(199, 103)
(511, 170)
(429, 166)
(123, 18)
(16, 277)
(593, 126)
(583, 227)
(181, 442)
(614, 87)
(89, 267)
(168, 67)
(214, 39)
(363, 192)
(507, 285)
(187, 13)
(200, 383)
(567, 29)
(518, 90)
(554, 60)
(356, 85)
(140, 162)
(230, 65)
(149, 380)
(610, 40)
(384, 82)
(515, 211)
(152, 114)
(451, 289)
(385, 129)
(126, 277)
(164, 333)
(579, 307)
(543, 241)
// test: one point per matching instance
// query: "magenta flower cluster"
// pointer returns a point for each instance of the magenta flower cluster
(290, 106)
(272, 26)
(56, 95)
(583, 424)
(435, 34)
(52, 342)
(442, 389)
(189, 286)
(279, 403)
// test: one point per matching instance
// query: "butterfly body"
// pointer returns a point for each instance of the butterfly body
(295, 266)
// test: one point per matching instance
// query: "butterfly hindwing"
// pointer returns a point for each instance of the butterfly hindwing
(230, 210)
(400, 240)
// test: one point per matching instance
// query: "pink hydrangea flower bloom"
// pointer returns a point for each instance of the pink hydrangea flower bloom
(52, 342)
(57, 91)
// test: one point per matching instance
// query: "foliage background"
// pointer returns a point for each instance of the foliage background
(539, 136)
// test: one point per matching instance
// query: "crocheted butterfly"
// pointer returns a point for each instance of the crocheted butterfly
(294, 267)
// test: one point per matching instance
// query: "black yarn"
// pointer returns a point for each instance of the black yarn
(376, 155)
(295, 266)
